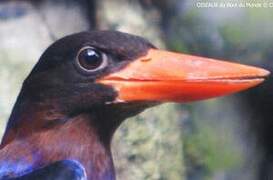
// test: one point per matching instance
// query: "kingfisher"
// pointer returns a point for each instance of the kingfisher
(85, 85)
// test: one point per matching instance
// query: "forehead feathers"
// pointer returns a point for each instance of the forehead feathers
(121, 45)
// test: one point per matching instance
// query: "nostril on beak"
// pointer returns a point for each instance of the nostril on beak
(146, 59)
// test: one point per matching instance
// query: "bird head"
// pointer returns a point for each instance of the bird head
(112, 69)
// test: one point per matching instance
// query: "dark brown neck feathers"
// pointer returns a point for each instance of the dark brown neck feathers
(45, 136)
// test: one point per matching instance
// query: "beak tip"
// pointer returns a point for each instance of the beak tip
(266, 73)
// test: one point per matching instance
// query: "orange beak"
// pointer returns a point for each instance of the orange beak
(172, 77)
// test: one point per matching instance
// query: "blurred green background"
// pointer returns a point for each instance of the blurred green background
(221, 139)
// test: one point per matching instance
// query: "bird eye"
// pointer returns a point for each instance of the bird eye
(90, 59)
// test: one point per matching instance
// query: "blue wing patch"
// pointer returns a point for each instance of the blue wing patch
(61, 170)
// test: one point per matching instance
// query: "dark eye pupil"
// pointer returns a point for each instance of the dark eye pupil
(90, 59)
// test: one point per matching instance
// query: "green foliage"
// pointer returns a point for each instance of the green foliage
(248, 41)
(212, 145)
(216, 153)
